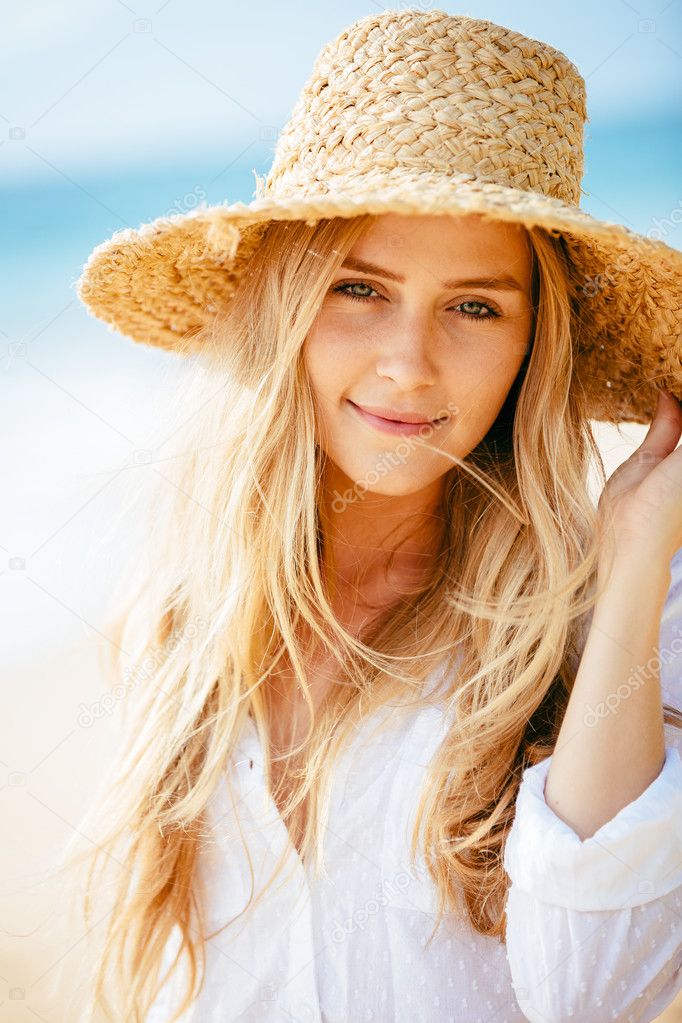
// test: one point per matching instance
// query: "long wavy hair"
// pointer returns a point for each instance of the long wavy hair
(237, 570)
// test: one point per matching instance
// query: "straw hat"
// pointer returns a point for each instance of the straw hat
(413, 111)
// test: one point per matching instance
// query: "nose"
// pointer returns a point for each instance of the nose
(405, 350)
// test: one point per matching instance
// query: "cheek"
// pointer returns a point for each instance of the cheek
(496, 376)
(482, 365)
(328, 353)
(324, 369)
(478, 382)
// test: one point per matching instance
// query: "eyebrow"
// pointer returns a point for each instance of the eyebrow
(499, 282)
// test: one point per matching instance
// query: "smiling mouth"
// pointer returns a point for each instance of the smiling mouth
(396, 417)
(394, 426)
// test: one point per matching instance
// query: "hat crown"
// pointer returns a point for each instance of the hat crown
(409, 91)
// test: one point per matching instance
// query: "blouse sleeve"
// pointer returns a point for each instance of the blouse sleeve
(594, 927)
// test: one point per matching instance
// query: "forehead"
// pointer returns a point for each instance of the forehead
(444, 225)
(447, 246)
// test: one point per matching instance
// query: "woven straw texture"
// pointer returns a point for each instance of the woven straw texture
(421, 112)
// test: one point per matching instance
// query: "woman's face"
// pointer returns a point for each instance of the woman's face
(409, 347)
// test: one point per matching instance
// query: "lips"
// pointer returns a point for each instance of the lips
(393, 415)
(393, 426)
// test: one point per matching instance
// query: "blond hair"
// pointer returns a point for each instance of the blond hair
(236, 548)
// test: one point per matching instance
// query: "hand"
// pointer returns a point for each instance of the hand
(644, 495)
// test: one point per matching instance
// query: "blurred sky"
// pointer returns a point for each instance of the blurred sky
(98, 85)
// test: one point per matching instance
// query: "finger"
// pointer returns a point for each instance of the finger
(666, 426)
(668, 400)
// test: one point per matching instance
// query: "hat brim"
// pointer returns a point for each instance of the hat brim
(161, 284)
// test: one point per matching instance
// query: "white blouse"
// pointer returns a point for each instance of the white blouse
(594, 926)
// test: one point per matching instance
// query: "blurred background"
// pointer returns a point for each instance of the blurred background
(114, 114)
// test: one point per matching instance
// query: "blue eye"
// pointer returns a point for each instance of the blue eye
(339, 289)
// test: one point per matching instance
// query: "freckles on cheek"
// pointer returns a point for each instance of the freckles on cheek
(330, 353)
(478, 391)
(324, 370)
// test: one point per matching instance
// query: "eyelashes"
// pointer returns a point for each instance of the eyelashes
(339, 289)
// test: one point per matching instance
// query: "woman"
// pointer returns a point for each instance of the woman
(400, 753)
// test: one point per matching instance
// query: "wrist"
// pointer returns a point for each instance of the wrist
(643, 566)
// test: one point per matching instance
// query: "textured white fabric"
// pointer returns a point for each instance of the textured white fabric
(594, 927)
